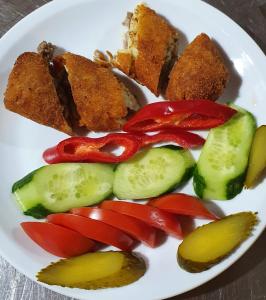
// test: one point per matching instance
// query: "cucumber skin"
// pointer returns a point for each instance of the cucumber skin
(25, 180)
(172, 147)
(188, 174)
(235, 185)
(38, 212)
(199, 183)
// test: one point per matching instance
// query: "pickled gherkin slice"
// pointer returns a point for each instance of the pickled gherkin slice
(94, 270)
(210, 243)
(257, 157)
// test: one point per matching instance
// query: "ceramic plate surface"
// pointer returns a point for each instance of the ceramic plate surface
(81, 27)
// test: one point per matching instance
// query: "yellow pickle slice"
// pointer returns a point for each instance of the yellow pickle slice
(209, 244)
(96, 270)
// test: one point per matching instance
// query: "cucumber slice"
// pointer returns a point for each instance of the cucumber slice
(221, 168)
(153, 172)
(59, 187)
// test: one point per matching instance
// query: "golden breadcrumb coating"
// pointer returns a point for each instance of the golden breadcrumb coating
(123, 61)
(31, 92)
(98, 95)
(200, 72)
(150, 38)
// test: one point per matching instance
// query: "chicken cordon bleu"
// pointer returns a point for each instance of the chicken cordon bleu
(151, 44)
(199, 73)
(101, 100)
(31, 92)
(67, 93)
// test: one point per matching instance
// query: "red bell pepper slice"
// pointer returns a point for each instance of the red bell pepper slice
(86, 149)
(132, 226)
(153, 216)
(58, 240)
(183, 204)
(189, 114)
(197, 122)
(181, 137)
(94, 229)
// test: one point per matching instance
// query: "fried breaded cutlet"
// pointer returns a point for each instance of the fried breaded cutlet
(101, 100)
(199, 73)
(151, 45)
(67, 93)
(31, 92)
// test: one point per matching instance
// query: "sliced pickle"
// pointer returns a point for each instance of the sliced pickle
(94, 270)
(210, 243)
(257, 157)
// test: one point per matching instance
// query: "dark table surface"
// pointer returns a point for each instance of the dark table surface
(246, 279)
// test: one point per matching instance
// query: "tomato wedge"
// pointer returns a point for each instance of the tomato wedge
(58, 240)
(95, 230)
(132, 226)
(183, 204)
(151, 215)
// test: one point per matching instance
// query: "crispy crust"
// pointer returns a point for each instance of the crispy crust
(97, 93)
(31, 92)
(124, 62)
(153, 37)
(200, 72)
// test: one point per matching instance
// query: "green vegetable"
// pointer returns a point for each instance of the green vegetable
(59, 187)
(257, 158)
(153, 172)
(222, 165)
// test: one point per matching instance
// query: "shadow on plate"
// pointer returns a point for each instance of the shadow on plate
(261, 178)
(182, 42)
(231, 91)
(144, 257)
(133, 88)
(187, 224)
(166, 70)
(215, 208)
(26, 243)
(182, 38)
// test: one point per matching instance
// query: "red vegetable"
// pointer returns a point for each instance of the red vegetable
(132, 226)
(181, 137)
(58, 240)
(86, 149)
(94, 229)
(186, 114)
(151, 215)
(183, 204)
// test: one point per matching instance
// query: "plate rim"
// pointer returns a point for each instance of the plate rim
(55, 6)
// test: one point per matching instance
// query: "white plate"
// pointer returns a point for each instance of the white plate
(82, 26)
